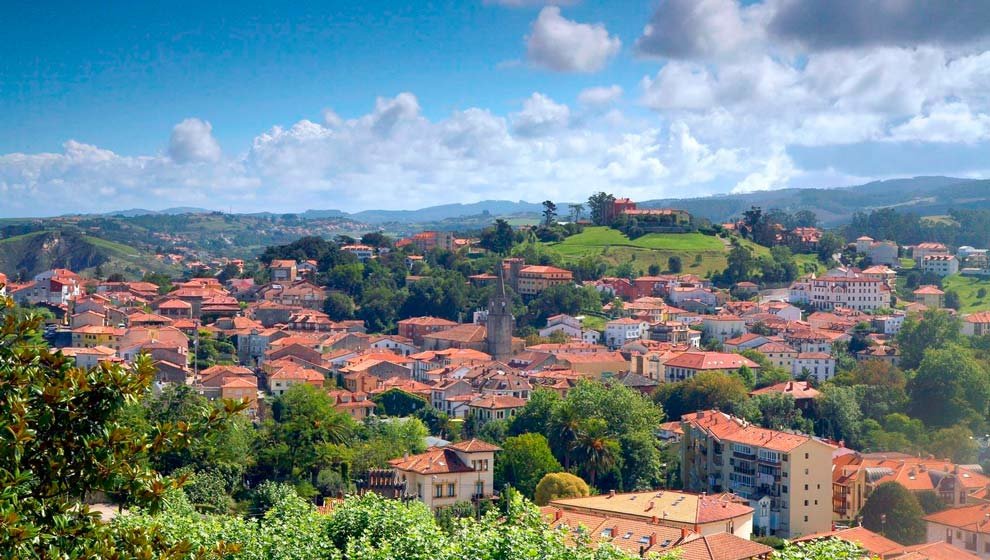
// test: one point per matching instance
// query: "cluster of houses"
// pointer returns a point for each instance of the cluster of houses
(739, 479)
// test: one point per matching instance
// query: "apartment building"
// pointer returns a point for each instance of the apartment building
(940, 265)
(855, 292)
(786, 477)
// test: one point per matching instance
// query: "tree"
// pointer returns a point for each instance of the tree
(63, 439)
(932, 329)
(838, 414)
(955, 443)
(380, 308)
(952, 300)
(396, 402)
(499, 238)
(524, 461)
(338, 306)
(894, 512)
(549, 213)
(950, 387)
(674, 265)
(805, 218)
(536, 416)
(600, 205)
(704, 391)
(576, 211)
(305, 435)
(376, 239)
(829, 245)
(559, 486)
(565, 298)
(830, 549)
(775, 411)
(930, 501)
(595, 449)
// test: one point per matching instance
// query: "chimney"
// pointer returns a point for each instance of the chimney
(611, 493)
(653, 538)
(684, 534)
(557, 514)
(654, 520)
(701, 414)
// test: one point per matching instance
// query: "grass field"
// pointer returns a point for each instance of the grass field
(809, 259)
(967, 288)
(907, 263)
(699, 253)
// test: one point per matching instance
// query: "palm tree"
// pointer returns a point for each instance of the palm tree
(565, 425)
(576, 211)
(595, 448)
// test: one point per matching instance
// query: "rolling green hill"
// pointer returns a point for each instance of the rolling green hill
(699, 253)
(29, 254)
(968, 288)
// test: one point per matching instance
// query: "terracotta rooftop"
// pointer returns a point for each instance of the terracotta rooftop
(474, 446)
(729, 428)
(677, 507)
(461, 333)
(711, 361)
(495, 402)
(722, 546)
(797, 389)
(866, 539)
(436, 460)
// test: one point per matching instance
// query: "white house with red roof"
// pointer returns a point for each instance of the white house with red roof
(443, 476)
(688, 364)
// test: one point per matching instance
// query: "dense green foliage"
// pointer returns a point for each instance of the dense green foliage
(523, 462)
(894, 512)
(64, 438)
(556, 486)
(605, 432)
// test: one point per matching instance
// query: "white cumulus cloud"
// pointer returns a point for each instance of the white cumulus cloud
(562, 45)
(192, 140)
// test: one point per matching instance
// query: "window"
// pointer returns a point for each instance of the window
(806, 503)
(805, 518)
(451, 490)
(438, 491)
(419, 490)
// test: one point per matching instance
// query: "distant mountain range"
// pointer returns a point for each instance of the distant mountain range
(921, 195)
(834, 206)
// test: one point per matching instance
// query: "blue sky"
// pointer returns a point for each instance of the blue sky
(353, 105)
(265, 63)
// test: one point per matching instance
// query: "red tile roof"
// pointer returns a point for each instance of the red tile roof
(975, 518)
(722, 546)
(711, 361)
(474, 446)
(868, 540)
(436, 460)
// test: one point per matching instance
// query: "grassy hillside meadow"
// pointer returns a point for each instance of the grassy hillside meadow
(967, 288)
(699, 253)
(41, 250)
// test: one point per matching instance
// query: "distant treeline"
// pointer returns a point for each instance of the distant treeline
(960, 227)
